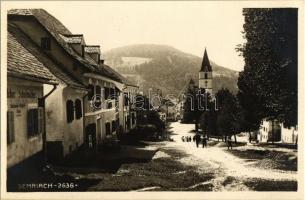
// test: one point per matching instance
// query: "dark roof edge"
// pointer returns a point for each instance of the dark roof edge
(31, 78)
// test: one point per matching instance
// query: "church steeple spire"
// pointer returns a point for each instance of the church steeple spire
(205, 74)
(205, 66)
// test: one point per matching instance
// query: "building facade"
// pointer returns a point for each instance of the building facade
(90, 101)
(93, 113)
(25, 98)
(269, 131)
(289, 135)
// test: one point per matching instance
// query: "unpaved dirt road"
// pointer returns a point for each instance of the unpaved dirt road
(226, 166)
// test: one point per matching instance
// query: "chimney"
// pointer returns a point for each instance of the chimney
(94, 52)
(76, 41)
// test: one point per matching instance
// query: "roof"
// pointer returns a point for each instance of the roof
(63, 36)
(57, 30)
(206, 66)
(15, 34)
(92, 49)
(22, 63)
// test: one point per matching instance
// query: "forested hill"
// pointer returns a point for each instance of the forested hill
(165, 68)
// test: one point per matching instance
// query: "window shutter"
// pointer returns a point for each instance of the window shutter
(78, 108)
(35, 119)
(126, 103)
(69, 111)
(33, 127)
(10, 127)
(30, 122)
(91, 92)
(40, 120)
(97, 97)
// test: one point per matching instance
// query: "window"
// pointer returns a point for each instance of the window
(206, 75)
(113, 126)
(35, 121)
(70, 111)
(109, 105)
(78, 109)
(128, 122)
(133, 118)
(107, 92)
(45, 43)
(112, 93)
(126, 103)
(97, 97)
(108, 131)
(206, 83)
(118, 122)
(91, 92)
(10, 127)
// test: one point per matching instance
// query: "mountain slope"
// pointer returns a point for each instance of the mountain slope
(165, 68)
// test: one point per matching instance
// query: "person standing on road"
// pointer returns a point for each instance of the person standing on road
(197, 139)
(229, 143)
(204, 142)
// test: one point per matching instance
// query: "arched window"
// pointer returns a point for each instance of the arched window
(91, 92)
(78, 109)
(70, 111)
(107, 92)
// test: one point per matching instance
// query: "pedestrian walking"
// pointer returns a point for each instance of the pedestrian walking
(182, 138)
(197, 139)
(229, 143)
(194, 138)
(204, 142)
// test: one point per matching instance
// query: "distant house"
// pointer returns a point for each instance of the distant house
(289, 134)
(269, 131)
(25, 98)
(129, 113)
(169, 110)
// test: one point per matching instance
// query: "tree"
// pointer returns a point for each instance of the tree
(268, 84)
(208, 118)
(250, 106)
(228, 114)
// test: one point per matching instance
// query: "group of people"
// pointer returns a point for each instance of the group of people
(199, 139)
(187, 139)
(196, 138)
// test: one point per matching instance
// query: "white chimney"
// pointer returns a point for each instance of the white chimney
(94, 52)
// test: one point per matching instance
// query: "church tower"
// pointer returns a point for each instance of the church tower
(205, 74)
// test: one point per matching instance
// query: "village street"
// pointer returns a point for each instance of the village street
(176, 165)
(226, 166)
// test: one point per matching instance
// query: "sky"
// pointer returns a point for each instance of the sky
(187, 26)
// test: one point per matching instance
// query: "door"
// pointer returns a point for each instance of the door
(91, 136)
(99, 130)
